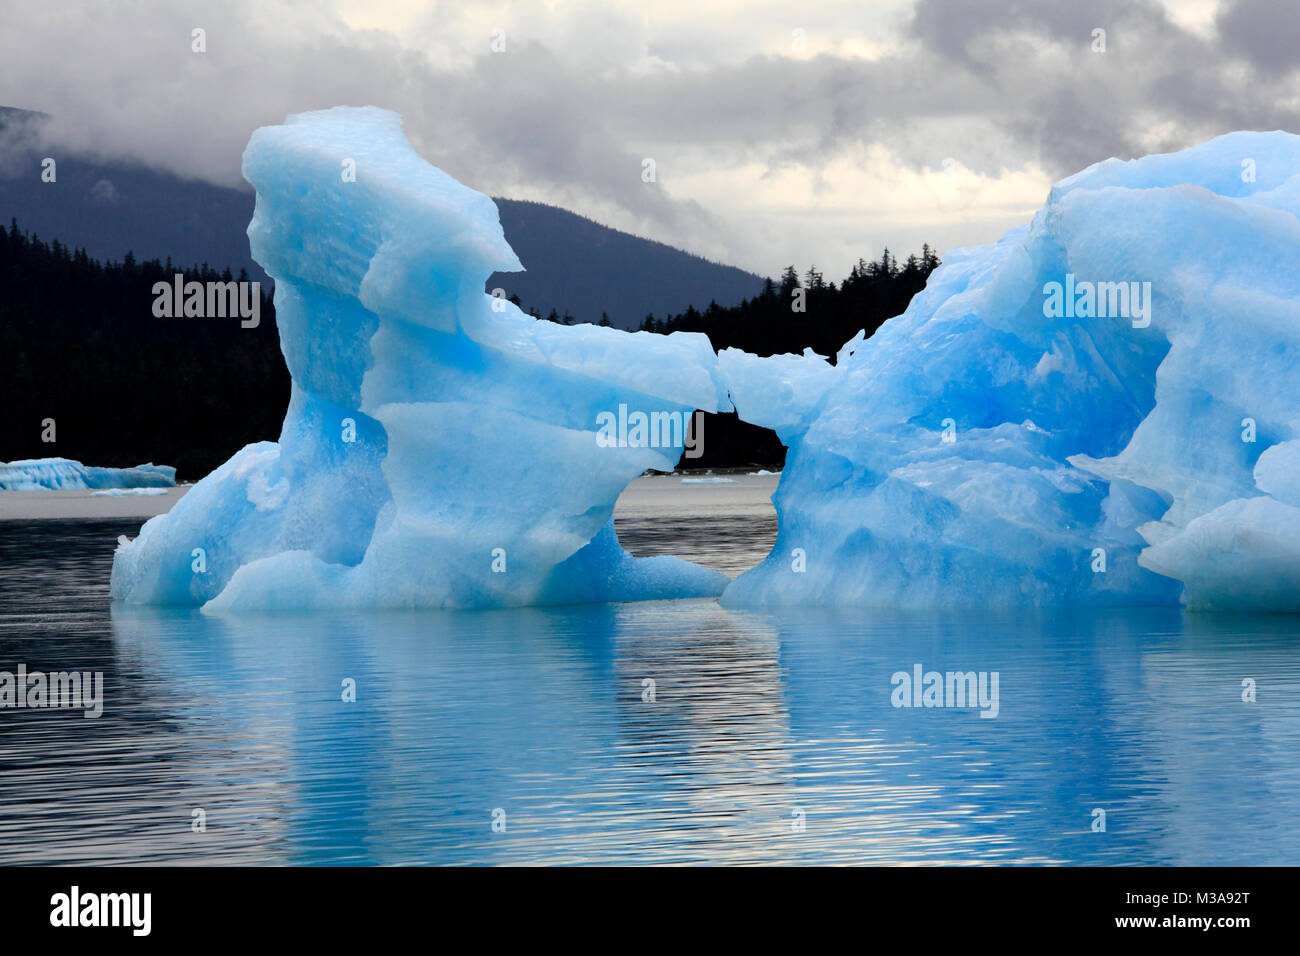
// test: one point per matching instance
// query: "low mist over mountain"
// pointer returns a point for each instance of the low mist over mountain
(574, 265)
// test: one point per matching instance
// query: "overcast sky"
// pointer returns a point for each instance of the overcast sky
(781, 132)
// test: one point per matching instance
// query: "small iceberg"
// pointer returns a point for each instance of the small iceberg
(50, 474)
(125, 492)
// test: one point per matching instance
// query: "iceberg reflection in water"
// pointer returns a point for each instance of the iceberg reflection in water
(771, 737)
(540, 713)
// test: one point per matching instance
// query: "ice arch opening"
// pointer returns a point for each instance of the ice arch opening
(712, 510)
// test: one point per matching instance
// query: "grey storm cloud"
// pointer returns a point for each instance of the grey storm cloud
(998, 84)
(1264, 33)
(1068, 105)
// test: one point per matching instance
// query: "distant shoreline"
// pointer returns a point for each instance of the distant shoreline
(84, 504)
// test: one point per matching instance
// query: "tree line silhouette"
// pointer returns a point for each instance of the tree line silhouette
(82, 347)
(791, 314)
(788, 316)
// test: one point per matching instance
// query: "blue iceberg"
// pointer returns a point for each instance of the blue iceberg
(48, 474)
(441, 447)
(1100, 409)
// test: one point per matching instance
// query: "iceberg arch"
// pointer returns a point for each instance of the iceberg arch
(1101, 408)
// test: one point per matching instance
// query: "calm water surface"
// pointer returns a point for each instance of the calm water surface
(771, 737)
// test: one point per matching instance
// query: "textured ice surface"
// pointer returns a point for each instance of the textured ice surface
(978, 450)
(40, 474)
(440, 447)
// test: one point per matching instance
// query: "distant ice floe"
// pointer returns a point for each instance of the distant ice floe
(125, 492)
(45, 474)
